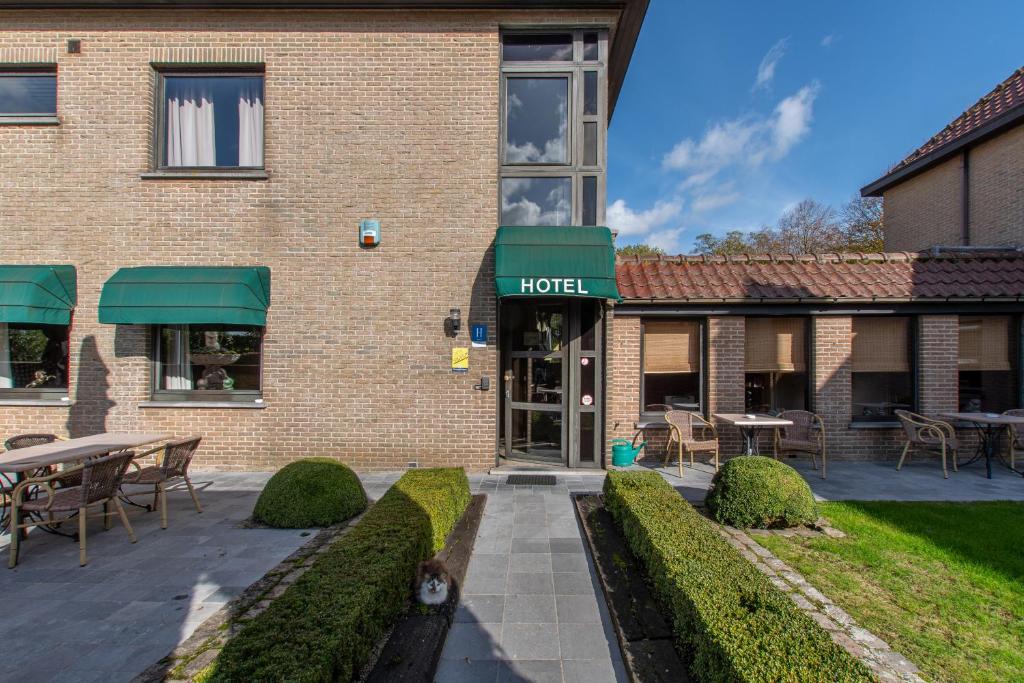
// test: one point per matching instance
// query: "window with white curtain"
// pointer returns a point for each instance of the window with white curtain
(33, 360)
(211, 120)
(207, 362)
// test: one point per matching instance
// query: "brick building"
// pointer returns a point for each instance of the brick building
(965, 185)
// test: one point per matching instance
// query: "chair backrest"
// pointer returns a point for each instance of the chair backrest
(803, 421)
(1016, 430)
(683, 421)
(26, 440)
(178, 455)
(102, 475)
(912, 423)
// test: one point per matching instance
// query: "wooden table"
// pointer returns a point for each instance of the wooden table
(749, 426)
(990, 427)
(74, 450)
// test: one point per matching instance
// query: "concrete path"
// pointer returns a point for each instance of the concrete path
(132, 604)
(532, 608)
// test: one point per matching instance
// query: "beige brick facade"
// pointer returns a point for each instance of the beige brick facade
(927, 209)
(937, 372)
(387, 115)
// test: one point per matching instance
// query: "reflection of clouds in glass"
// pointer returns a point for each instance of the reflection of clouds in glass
(28, 94)
(537, 121)
(536, 201)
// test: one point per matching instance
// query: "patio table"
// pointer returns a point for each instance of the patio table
(749, 425)
(990, 427)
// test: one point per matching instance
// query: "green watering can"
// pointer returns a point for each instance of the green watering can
(624, 452)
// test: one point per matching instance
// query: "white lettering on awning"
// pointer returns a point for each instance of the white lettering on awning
(556, 285)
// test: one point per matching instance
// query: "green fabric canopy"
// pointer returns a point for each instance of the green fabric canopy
(44, 295)
(549, 261)
(183, 295)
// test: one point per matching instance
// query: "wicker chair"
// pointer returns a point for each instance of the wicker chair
(101, 479)
(806, 435)
(7, 484)
(682, 424)
(1015, 434)
(925, 433)
(176, 457)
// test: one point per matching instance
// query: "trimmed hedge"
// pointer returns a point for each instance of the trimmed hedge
(310, 492)
(753, 491)
(730, 622)
(327, 623)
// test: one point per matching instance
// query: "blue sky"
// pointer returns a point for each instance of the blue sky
(734, 110)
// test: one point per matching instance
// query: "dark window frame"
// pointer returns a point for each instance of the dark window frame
(158, 154)
(44, 393)
(200, 395)
(21, 70)
(703, 363)
(808, 362)
(913, 360)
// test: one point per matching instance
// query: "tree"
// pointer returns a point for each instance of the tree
(809, 227)
(639, 250)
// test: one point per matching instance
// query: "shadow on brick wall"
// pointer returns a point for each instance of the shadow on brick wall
(88, 414)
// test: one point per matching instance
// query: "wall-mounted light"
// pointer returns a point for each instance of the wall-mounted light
(453, 323)
(74, 46)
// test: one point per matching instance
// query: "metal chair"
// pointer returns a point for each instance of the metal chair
(176, 457)
(1016, 435)
(926, 433)
(101, 480)
(681, 431)
(805, 435)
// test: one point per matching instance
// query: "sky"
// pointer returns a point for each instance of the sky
(735, 110)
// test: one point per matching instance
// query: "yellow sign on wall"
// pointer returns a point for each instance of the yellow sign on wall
(460, 359)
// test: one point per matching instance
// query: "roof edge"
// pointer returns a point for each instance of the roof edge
(991, 129)
(835, 257)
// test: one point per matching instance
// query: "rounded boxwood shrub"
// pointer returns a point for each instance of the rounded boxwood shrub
(308, 493)
(762, 493)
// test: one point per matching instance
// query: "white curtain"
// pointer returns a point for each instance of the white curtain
(6, 377)
(190, 127)
(179, 361)
(250, 123)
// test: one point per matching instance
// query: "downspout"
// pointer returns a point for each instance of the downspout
(965, 197)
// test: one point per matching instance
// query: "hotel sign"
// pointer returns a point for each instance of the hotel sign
(553, 285)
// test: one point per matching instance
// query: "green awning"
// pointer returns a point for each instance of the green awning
(548, 261)
(180, 295)
(44, 295)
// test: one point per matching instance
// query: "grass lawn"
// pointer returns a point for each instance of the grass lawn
(943, 583)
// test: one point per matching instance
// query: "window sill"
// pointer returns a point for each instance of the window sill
(206, 174)
(243, 405)
(652, 423)
(29, 121)
(36, 402)
(874, 425)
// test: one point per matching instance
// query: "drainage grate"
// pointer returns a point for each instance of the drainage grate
(530, 480)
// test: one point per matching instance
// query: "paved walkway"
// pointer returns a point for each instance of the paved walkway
(132, 604)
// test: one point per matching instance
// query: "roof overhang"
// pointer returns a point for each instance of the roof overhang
(631, 18)
(991, 129)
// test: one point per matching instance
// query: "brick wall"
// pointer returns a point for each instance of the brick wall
(726, 350)
(926, 210)
(368, 115)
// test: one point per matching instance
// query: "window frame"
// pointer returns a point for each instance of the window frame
(1016, 351)
(20, 70)
(702, 379)
(913, 360)
(60, 394)
(575, 69)
(808, 362)
(158, 153)
(159, 395)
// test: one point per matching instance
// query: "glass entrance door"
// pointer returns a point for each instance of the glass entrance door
(551, 382)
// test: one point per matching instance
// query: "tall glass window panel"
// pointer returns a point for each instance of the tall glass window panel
(881, 368)
(590, 143)
(537, 47)
(34, 357)
(590, 93)
(776, 365)
(671, 365)
(537, 120)
(536, 201)
(590, 49)
(988, 363)
(213, 121)
(28, 93)
(202, 358)
(589, 216)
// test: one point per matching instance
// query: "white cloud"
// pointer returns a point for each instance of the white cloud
(793, 118)
(696, 180)
(766, 69)
(629, 222)
(716, 198)
(667, 240)
(828, 40)
(721, 145)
